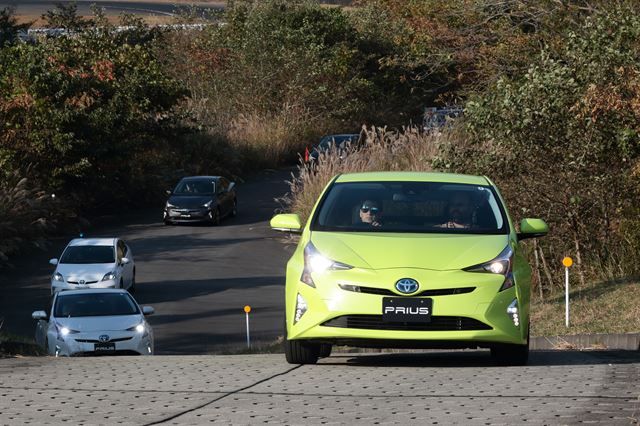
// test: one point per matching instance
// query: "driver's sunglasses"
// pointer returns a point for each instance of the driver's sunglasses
(374, 210)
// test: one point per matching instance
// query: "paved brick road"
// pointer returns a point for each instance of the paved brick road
(432, 388)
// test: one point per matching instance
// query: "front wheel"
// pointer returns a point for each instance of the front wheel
(132, 287)
(214, 217)
(325, 350)
(234, 210)
(508, 354)
(301, 352)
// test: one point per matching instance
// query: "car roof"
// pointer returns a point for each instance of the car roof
(200, 177)
(92, 291)
(110, 241)
(413, 177)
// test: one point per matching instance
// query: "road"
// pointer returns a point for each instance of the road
(114, 7)
(198, 278)
(459, 388)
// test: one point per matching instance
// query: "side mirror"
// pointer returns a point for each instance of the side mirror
(168, 192)
(232, 186)
(39, 315)
(54, 261)
(532, 228)
(287, 223)
(125, 260)
(148, 310)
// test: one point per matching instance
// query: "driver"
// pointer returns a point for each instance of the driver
(371, 213)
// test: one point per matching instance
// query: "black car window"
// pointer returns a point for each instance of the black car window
(88, 254)
(411, 207)
(94, 305)
(195, 187)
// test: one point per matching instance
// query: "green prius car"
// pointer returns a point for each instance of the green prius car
(408, 260)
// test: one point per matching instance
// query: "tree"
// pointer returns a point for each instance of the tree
(9, 27)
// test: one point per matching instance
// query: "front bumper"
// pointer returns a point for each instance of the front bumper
(57, 286)
(84, 344)
(476, 318)
(187, 215)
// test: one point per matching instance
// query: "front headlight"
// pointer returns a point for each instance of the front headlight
(58, 277)
(502, 265)
(207, 205)
(109, 276)
(140, 329)
(170, 206)
(317, 263)
(64, 331)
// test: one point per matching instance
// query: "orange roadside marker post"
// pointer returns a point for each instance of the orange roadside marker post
(247, 309)
(567, 262)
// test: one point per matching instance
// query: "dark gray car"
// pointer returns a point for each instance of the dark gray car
(201, 199)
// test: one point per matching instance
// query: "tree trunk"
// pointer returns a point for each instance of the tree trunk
(545, 268)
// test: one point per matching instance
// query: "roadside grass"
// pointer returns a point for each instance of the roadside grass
(604, 307)
(15, 345)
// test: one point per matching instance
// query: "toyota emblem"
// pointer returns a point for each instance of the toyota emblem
(104, 338)
(407, 285)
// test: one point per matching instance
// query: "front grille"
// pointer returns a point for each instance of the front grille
(86, 282)
(120, 339)
(386, 292)
(109, 353)
(375, 322)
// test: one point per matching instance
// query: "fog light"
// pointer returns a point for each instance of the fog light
(512, 311)
(301, 308)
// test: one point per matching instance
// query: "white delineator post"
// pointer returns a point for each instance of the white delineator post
(567, 262)
(247, 309)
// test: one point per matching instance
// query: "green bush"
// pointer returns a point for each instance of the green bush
(84, 112)
(562, 141)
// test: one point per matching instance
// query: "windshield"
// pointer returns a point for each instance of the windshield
(88, 254)
(195, 187)
(339, 140)
(413, 207)
(94, 305)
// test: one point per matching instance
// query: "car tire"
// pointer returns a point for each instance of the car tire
(132, 287)
(167, 222)
(325, 350)
(214, 218)
(121, 283)
(234, 210)
(511, 355)
(300, 351)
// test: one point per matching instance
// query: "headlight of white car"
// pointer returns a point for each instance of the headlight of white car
(64, 331)
(109, 276)
(58, 277)
(140, 329)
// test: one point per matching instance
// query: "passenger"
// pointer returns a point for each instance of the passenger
(459, 211)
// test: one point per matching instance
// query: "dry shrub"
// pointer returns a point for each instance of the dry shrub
(382, 150)
(27, 215)
(272, 139)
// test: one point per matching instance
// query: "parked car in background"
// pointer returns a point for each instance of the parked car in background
(201, 199)
(94, 263)
(340, 141)
(94, 322)
(408, 260)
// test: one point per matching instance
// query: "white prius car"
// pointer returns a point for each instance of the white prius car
(94, 263)
(94, 322)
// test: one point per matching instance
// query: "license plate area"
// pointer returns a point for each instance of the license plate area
(104, 347)
(406, 309)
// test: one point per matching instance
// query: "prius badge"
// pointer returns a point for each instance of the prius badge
(407, 285)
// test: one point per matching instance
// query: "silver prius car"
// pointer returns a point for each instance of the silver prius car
(94, 322)
(94, 263)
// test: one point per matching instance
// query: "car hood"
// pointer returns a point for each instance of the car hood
(87, 272)
(189, 201)
(108, 323)
(392, 250)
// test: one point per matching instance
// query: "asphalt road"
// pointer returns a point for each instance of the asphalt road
(38, 7)
(198, 278)
(458, 388)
